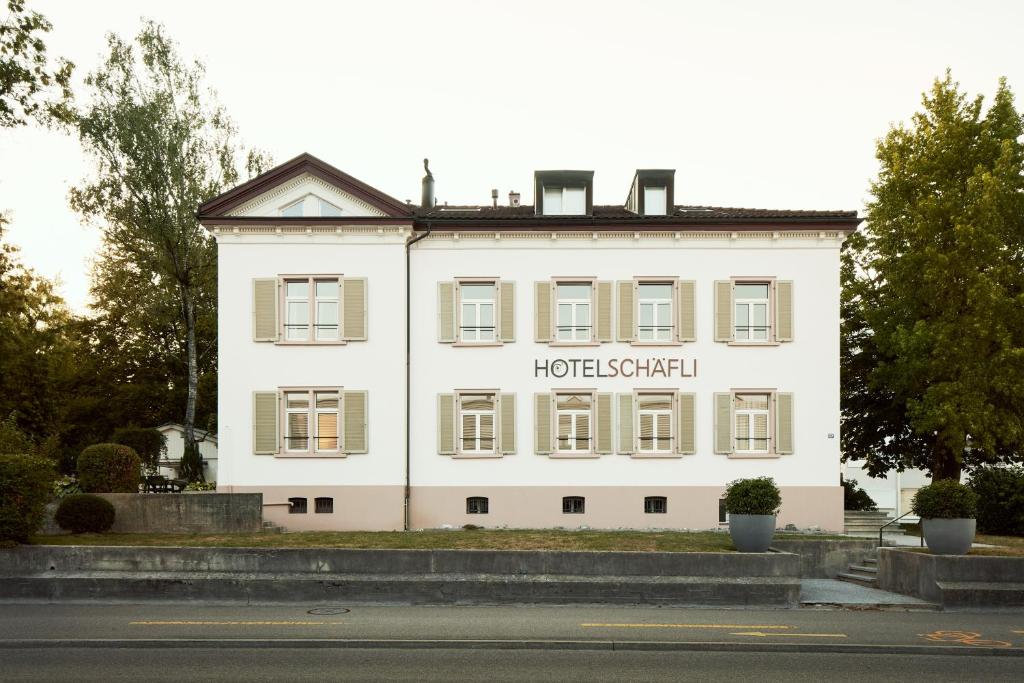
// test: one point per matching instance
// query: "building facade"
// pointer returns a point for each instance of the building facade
(561, 364)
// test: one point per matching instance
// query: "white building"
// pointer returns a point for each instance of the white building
(564, 364)
(174, 435)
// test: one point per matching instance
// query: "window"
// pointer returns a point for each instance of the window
(723, 514)
(655, 311)
(328, 209)
(655, 201)
(477, 419)
(322, 309)
(477, 309)
(752, 433)
(655, 505)
(323, 505)
(574, 418)
(310, 205)
(565, 201)
(476, 505)
(573, 505)
(294, 210)
(751, 302)
(573, 311)
(297, 506)
(305, 408)
(654, 414)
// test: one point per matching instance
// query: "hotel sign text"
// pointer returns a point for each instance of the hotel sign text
(615, 367)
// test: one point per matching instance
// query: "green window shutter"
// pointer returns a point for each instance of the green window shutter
(264, 310)
(724, 311)
(686, 423)
(724, 440)
(353, 308)
(542, 311)
(605, 303)
(784, 311)
(507, 306)
(507, 435)
(356, 423)
(264, 422)
(542, 424)
(605, 413)
(687, 310)
(783, 424)
(625, 311)
(446, 312)
(446, 424)
(625, 415)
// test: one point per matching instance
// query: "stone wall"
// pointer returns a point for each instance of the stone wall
(190, 513)
(953, 581)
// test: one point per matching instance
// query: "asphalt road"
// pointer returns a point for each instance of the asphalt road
(325, 642)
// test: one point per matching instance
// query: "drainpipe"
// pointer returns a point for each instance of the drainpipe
(408, 366)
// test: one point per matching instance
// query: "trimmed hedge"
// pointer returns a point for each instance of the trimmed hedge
(148, 443)
(26, 483)
(758, 496)
(84, 513)
(109, 468)
(945, 499)
(1000, 500)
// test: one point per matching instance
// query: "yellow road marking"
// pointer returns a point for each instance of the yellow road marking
(758, 634)
(235, 623)
(726, 626)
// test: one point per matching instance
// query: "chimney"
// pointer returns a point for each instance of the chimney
(513, 199)
(427, 197)
(494, 198)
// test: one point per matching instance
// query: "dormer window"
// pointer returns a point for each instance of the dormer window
(564, 193)
(652, 192)
(310, 205)
(565, 201)
(655, 201)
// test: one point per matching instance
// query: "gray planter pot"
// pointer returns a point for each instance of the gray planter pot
(948, 536)
(752, 533)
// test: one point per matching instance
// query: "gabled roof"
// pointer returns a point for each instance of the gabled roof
(219, 206)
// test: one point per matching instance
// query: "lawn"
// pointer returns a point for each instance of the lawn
(484, 539)
(1006, 546)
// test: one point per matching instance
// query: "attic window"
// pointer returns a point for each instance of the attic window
(293, 210)
(328, 209)
(311, 205)
(565, 201)
(655, 201)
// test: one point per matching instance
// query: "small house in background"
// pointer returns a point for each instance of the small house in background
(175, 435)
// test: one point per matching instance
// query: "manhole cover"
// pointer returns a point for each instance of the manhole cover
(325, 611)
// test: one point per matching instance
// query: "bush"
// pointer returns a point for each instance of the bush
(191, 467)
(109, 468)
(65, 486)
(25, 487)
(84, 513)
(201, 486)
(945, 499)
(759, 496)
(1000, 499)
(13, 441)
(855, 498)
(150, 444)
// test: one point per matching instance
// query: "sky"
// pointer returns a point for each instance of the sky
(755, 104)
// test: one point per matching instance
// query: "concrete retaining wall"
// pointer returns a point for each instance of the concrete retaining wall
(953, 581)
(825, 559)
(170, 513)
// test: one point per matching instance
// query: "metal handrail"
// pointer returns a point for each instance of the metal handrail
(893, 522)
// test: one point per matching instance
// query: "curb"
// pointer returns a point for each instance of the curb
(603, 645)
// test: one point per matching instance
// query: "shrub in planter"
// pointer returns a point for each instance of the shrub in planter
(84, 513)
(150, 444)
(947, 509)
(752, 505)
(1000, 499)
(109, 468)
(25, 487)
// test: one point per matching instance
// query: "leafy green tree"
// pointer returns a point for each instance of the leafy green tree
(933, 292)
(29, 86)
(160, 146)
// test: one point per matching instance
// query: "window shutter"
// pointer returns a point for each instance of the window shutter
(507, 306)
(353, 308)
(446, 424)
(625, 414)
(264, 309)
(783, 424)
(784, 310)
(605, 303)
(446, 312)
(686, 423)
(724, 312)
(542, 311)
(355, 425)
(687, 310)
(507, 435)
(542, 424)
(605, 413)
(723, 423)
(625, 312)
(264, 422)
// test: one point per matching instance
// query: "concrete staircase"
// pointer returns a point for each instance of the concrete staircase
(863, 574)
(868, 523)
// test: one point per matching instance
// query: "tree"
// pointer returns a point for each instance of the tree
(161, 145)
(28, 85)
(933, 292)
